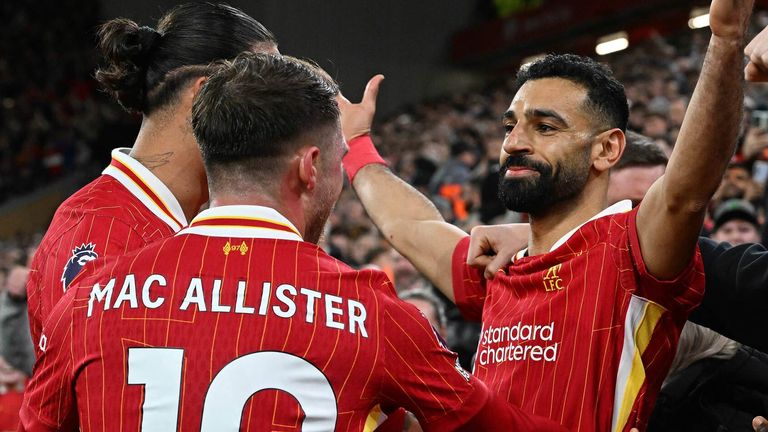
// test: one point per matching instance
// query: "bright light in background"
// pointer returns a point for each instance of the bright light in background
(699, 18)
(612, 43)
(530, 59)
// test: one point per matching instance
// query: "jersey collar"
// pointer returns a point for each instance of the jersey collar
(243, 221)
(619, 207)
(145, 186)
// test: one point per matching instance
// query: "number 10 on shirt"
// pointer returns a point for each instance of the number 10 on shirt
(160, 371)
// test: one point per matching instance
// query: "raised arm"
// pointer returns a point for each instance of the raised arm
(405, 217)
(671, 214)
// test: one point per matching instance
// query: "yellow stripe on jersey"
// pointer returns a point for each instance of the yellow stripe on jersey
(642, 317)
(375, 418)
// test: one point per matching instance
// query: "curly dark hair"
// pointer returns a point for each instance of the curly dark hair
(605, 94)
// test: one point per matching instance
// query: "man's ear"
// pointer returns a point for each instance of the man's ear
(309, 160)
(607, 149)
(197, 84)
(188, 93)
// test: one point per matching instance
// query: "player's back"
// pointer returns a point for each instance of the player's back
(255, 330)
(124, 209)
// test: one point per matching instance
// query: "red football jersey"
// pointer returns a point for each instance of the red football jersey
(583, 334)
(236, 323)
(125, 208)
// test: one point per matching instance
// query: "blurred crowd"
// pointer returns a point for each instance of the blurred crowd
(53, 122)
(53, 119)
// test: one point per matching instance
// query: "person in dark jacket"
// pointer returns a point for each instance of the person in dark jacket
(715, 384)
(736, 297)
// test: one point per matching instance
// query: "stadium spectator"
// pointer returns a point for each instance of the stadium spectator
(713, 384)
(736, 223)
(738, 184)
(16, 348)
(641, 164)
(430, 306)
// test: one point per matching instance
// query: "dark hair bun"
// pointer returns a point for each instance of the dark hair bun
(127, 50)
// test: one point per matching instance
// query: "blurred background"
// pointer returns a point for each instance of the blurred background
(450, 69)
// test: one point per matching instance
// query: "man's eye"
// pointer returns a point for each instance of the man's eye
(543, 127)
(508, 127)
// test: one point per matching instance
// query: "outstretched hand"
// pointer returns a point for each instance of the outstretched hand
(356, 119)
(757, 52)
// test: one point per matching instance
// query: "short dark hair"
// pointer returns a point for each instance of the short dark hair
(250, 111)
(641, 151)
(605, 94)
(145, 68)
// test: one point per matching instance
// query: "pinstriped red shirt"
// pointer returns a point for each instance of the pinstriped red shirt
(126, 208)
(583, 335)
(235, 322)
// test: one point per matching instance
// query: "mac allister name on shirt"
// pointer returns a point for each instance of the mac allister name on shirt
(278, 299)
(518, 342)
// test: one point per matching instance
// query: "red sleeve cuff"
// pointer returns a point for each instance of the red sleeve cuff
(362, 152)
(468, 283)
(679, 295)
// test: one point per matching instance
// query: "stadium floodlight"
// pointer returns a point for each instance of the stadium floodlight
(612, 43)
(699, 18)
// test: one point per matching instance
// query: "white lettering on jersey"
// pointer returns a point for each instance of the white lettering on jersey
(287, 301)
(101, 295)
(194, 295)
(127, 293)
(240, 306)
(148, 302)
(216, 305)
(340, 313)
(519, 342)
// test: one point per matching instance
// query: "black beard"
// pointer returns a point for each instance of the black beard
(536, 194)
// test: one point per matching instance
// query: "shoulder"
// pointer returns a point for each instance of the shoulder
(102, 270)
(104, 197)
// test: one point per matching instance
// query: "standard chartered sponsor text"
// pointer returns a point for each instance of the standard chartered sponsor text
(518, 342)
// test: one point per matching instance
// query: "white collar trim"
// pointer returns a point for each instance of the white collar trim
(619, 207)
(167, 207)
(247, 214)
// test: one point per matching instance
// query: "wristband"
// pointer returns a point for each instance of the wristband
(362, 152)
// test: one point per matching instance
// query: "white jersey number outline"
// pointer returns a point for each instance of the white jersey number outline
(160, 371)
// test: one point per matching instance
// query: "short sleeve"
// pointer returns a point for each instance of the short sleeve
(49, 401)
(423, 376)
(57, 263)
(681, 294)
(469, 285)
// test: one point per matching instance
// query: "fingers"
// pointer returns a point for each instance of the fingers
(755, 73)
(757, 44)
(480, 251)
(496, 265)
(757, 52)
(372, 90)
(760, 424)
